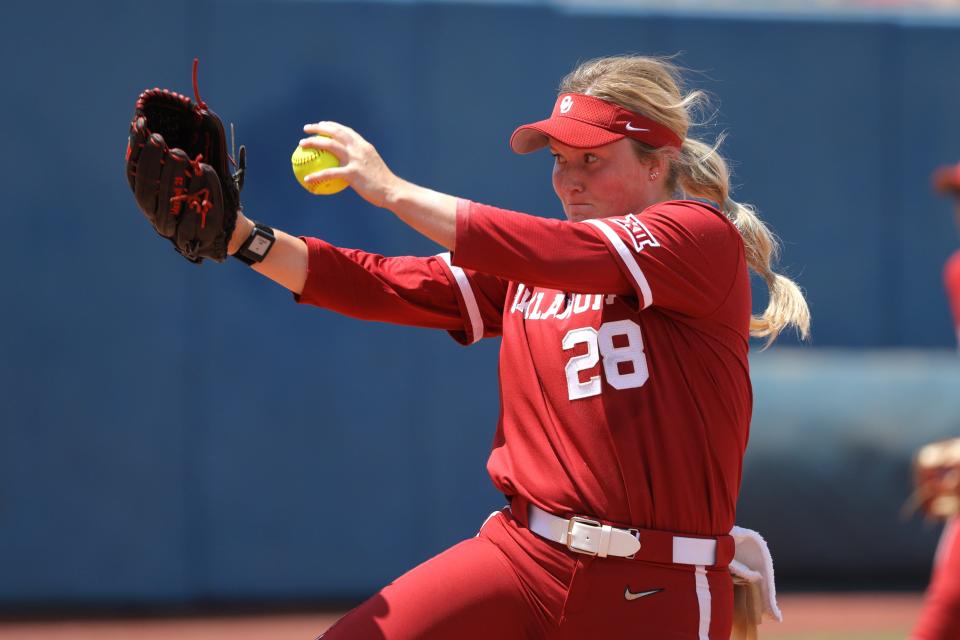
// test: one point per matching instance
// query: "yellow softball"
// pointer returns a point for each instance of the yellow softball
(307, 161)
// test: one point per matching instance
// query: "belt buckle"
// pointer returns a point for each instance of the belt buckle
(580, 520)
(636, 534)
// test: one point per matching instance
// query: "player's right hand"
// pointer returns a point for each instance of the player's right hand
(360, 163)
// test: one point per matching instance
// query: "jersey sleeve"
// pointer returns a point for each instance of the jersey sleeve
(415, 291)
(680, 255)
(951, 281)
(677, 255)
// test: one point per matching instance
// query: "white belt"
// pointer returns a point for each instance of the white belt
(590, 537)
(584, 535)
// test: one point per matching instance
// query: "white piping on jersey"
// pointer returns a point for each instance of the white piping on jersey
(473, 311)
(703, 599)
(489, 517)
(628, 260)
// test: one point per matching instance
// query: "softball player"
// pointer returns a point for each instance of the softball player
(625, 389)
(940, 617)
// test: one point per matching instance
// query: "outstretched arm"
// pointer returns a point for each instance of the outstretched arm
(424, 292)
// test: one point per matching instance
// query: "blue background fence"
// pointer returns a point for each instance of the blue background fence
(174, 434)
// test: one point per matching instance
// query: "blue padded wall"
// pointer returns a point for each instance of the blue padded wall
(175, 434)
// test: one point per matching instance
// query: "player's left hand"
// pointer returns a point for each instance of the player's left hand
(360, 163)
(936, 479)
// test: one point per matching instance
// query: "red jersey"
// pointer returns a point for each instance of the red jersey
(624, 380)
(951, 280)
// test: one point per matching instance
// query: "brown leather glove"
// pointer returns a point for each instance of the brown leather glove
(179, 171)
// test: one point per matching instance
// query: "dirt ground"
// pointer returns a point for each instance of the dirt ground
(860, 616)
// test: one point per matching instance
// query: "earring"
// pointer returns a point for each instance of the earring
(654, 174)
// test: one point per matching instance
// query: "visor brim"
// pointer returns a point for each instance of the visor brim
(572, 133)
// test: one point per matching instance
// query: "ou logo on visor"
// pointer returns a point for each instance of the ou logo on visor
(565, 104)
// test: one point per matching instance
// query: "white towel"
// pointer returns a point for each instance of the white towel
(752, 562)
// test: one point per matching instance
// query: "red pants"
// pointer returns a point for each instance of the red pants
(940, 618)
(508, 583)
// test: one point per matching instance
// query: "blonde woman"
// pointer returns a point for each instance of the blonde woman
(625, 389)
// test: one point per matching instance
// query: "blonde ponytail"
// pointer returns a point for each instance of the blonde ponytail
(701, 172)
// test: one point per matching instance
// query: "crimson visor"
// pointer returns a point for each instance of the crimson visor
(583, 122)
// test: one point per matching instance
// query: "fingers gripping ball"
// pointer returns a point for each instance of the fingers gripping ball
(307, 161)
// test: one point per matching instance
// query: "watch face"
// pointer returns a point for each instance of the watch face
(260, 244)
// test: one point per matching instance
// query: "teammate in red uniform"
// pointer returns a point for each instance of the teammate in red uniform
(625, 389)
(940, 617)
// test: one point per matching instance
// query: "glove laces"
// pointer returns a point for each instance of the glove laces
(199, 200)
(196, 85)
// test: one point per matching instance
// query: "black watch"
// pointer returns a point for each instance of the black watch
(257, 246)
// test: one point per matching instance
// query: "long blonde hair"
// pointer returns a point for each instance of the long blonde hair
(653, 87)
